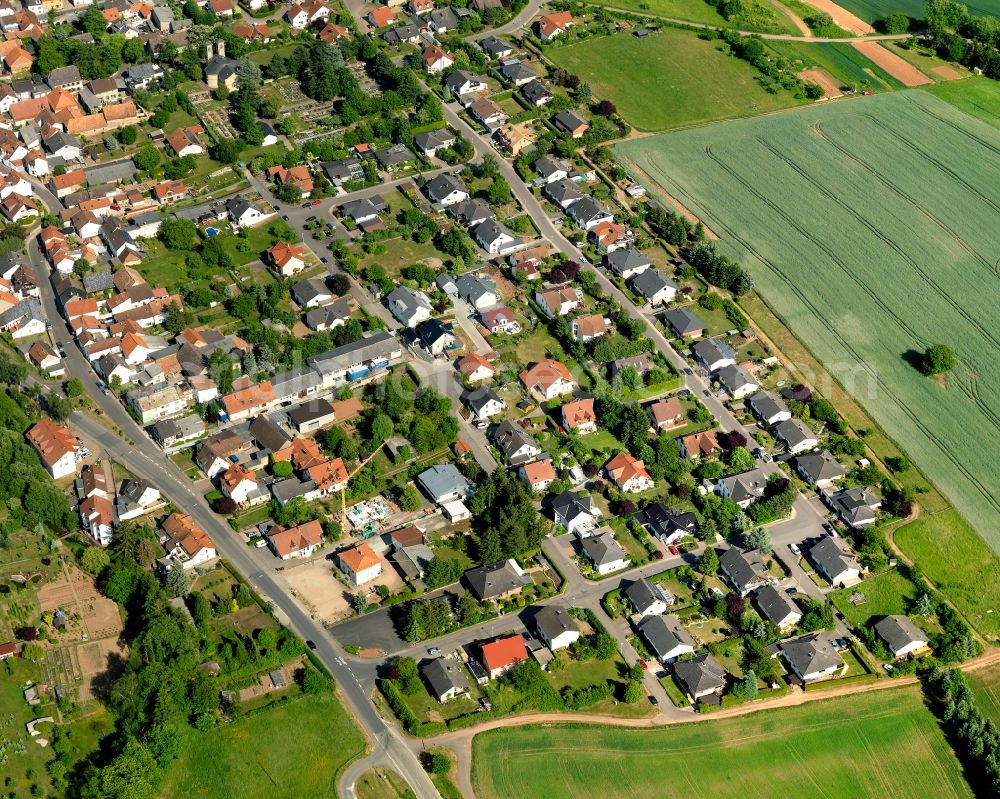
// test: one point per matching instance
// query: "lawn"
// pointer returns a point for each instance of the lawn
(960, 564)
(693, 10)
(857, 746)
(695, 81)
(294, 750)
(870, 247)
(400, 253)
(382, 784)
(847, 66)
(887, 594)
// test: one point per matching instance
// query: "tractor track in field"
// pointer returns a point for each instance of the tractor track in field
(994, 269)
(936, 162)
(792, 223)
(955, 306)
(903, 407)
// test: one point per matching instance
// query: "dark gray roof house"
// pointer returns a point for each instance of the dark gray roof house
(603, 551)
(310, 291)
(627, 261)
(111, 172)
(819, 468)
(555, 625)
(645, 596)
(327, 317)
(496, 580)
(901, 635)
(495, 48)
(834, 559)
(517, 446)
(429, 142)
(768, 407)
(408, 32)
(517, 72)
(482, 401)
(654, 286)
(713, 354)
(666, 637)
(811, 657)
(563, 193)
(570, 122)
(267, 435)
(667, 524)
(394, 157)
(536, 92)
(446, 190)
(795, 435)
(700, 676)
(471, 212)
(475, 290)
(436, 335)
(311, 414)
(744, 570)
(445, 678)
(360, 211)
(441, 20)
(857, 507)
(95, 282)
(683, 323)
(743, 488)
(777, 607)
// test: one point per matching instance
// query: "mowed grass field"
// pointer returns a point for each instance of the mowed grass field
(668, 80)
(288, 752)
(960, 564)
(858, 746)
(870, 226)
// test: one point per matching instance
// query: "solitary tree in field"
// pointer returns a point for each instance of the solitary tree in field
(938, 359)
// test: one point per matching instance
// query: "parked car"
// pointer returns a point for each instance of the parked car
(434, 650)
(791, 591)
(310, 219)
(644, 664)
(795, 549)
(674, 550)
(285, 217)
(653, 700)
(315, 202)
(324, 260)
(311, 644)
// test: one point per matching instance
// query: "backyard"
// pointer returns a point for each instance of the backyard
(887, 594)
(695, 81)
(783, 193)
(856, 746)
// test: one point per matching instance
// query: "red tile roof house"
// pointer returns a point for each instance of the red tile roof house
(56, 446)
(296, 542)
(552, 25)
(8, 650)
(501, 320)
(501, 655)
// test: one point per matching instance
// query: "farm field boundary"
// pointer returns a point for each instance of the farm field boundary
(868, 226)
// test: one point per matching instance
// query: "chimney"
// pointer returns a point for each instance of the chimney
(220, 48)
(208, 51)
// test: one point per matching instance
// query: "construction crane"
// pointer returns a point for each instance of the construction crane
(343, 491)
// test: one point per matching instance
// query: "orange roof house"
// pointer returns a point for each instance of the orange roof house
(360, 563)
(501, 655)
(668, 413)
(302, 453)
(286, 258)
(241, 404)
(548, 379)
(551, 25)
(56, 446)
(475, 367)
(580, 415)
(332, 32)
(628, 473)
(539, 474)
(380, 17)
(700, 445)
(330, 475)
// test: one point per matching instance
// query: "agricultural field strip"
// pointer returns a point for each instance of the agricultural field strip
(910, 104)
(628, 753)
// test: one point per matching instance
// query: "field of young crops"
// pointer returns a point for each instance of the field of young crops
(871, 226)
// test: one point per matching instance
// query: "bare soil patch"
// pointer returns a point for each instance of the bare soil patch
(830, 87)
(74, 591)
(317, 587)
(948, 73)
(899, 68)
(844, 18)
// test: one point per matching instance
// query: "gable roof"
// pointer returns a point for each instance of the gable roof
(496, 579)
(665, 634)
(359, 557)
(775, 605)
(700, 674)
(504, 652)
(899, 632)
(643, 594)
